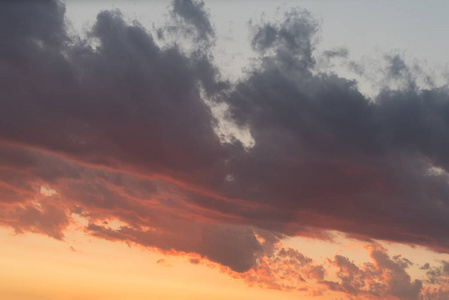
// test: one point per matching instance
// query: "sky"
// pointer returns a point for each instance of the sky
(228, 150)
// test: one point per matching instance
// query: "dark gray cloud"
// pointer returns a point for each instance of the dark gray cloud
(323, 147)
(117, 102)
(194, 14)
(121, 131)
(234, 247)
(397, 66)
(291, 40)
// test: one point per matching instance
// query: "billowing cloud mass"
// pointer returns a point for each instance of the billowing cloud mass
(119, 126)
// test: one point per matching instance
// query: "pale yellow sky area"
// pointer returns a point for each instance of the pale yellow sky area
(34, 267)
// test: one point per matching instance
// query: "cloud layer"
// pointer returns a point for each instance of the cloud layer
(120, 126)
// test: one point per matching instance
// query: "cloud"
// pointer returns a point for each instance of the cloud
(121, 131)
(340, 52)
(322, 147)
(43, 218)
(233, 247)
(284, 269)
(384, 278)
(291, 40)
(194, 14)
(438, 281)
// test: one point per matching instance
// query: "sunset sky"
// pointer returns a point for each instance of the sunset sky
(235, 150)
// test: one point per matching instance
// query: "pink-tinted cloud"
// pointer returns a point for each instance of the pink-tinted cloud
(384, 277)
